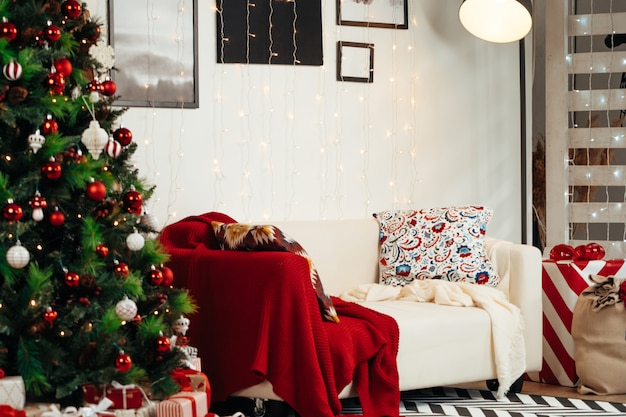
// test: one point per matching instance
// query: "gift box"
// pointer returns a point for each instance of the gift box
(184, 404)
(123, 396)
(12, 392)
(562, 283)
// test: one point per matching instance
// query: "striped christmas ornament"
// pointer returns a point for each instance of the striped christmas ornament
(12, 71)
(113, 148)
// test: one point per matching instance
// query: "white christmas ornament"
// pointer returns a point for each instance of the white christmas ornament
(135, 241)
(18, 256)
(150, 220)
(36, 141)
(94, 138)
(126, 309)
(181, 325)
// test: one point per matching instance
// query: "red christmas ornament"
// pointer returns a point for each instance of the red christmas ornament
(102, 250)
(108, 87)
(51, 170)
(562, 252)
(12, 71)
(55, 81)
(72, 279)
(96, 191)
(50, 315)
(57, 218)
(84, 301)
(71, 9)
(593, 251)
(52, 32)
(168, 276)
(133, 201)
(123, 136)
(123, 362)
(63, 66)
(50, 126)
(7, 30)
(155, 276)
(162, 344)
(95, 86)
(12, 212)
(121, 270)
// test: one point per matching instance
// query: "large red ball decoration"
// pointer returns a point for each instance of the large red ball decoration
(71, 9)
(133, 201)
(123, 362)
(51, 170)
(121, 270)
(123, 136)
(168, 276)
(156, 277)
(64, 66)
(72, 279)
(109, 87)
(96, 191)
(49, 126)
(50, 315)
(8, 30)
(162, 344)
(12, 212)
(52, 33)
(57, 218)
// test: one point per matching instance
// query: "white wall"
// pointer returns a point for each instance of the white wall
(439, 126)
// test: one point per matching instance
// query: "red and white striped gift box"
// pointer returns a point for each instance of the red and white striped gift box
(562, 283)
(184, 404)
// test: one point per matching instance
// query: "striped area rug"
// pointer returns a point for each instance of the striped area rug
(439, 402)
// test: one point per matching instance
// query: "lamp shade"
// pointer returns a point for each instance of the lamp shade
(499, 21)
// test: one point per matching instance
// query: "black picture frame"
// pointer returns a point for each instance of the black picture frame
(390, 14)
(156, 55)
(355, 62)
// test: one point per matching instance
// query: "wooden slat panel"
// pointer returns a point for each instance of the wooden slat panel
(597, 24)
(597, 62)
(597, 212)
(598, 175)
(597, 137)
(586, 100)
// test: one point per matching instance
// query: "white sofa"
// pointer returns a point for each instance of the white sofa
(439, 345)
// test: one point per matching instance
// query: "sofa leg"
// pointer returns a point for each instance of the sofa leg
(515, 388)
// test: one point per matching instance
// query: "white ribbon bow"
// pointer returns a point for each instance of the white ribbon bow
(118, 385)
(88, 411)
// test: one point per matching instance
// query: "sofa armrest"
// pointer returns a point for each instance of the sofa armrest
(519, 267)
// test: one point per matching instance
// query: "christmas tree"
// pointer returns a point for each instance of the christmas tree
(85, 297)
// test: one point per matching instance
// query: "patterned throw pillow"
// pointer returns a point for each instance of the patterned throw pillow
(437, 243)
(245, 237)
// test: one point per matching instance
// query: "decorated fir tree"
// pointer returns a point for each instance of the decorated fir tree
(84, 295)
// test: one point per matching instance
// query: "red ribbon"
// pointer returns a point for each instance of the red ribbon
(8, 411)
(180, 376)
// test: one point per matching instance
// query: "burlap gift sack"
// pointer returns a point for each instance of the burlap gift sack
(599, 333)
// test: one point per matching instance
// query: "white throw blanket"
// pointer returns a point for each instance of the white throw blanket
(506, 319)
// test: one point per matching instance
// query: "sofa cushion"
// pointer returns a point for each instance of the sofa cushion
(445, 243)
(246, 237)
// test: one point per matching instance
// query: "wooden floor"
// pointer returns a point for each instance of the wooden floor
(555, 391)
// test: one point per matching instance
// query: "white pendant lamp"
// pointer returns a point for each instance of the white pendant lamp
(500, 21)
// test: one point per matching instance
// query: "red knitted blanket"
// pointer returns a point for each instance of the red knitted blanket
(259, 319)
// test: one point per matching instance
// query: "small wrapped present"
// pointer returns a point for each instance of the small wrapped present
(123, 396)
(12, 392)
(184, 404)
(190, 380)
